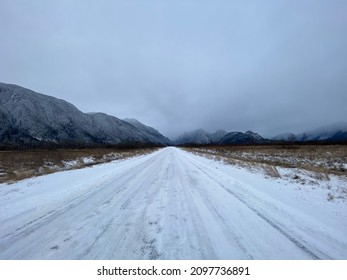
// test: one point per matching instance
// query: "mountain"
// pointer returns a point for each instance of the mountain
(217, 136)
(235, 138)
(152, 134)
(333, 132)
(32, 119)
(284, 137)
(220, 137)
(111, 130)
(339, 136)
(200, 137)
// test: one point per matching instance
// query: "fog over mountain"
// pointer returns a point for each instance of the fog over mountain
(31, 119)
(332, 132)
(237, 138)
(266, 66)
(220, 137)
(198, 136)
(336, 132)
(152, 134)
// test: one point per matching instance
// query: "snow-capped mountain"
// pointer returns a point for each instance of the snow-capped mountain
(217, 136)
(237, 137)
(33, 119)
(333, 132)
(152, 134)
(201, 137)
(336, 131)
(220, 137)
(198, 136)
(116, 131)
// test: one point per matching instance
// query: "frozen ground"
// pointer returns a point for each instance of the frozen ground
(306, 168)
(170, 204)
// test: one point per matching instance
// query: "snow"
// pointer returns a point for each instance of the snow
(88, 160)
(70, 163)
(170, 204)
(324, 160)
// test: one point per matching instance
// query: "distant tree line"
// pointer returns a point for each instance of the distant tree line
(71, 145)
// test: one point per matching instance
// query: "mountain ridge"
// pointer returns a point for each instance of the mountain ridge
(333, 132)
(151, 133)
(33, 119)
(220, 137)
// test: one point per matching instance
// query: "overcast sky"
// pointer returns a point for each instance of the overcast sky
(267, 66)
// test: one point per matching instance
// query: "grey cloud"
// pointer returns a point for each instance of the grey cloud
(269, 66)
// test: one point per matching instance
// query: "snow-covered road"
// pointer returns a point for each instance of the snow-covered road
(166, 205)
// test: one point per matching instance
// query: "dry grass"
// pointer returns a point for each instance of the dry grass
(307, 166)
(321, 159)
(18, 165)
(271, 171)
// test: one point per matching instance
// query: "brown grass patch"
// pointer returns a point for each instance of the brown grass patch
(312, 165)
(18, 165)
(321, 159)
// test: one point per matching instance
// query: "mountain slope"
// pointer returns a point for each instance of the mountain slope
(220, 137)
(37, 117)
(333, 132)
(234, 138)
(152, 134)
(217, 136)
(33, 119)
(116, 131)
(198, 136)
(324, 133)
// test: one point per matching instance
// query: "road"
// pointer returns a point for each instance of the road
(166, 205)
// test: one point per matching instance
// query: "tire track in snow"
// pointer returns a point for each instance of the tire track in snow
(137, 234)
(262, 216)
(77, 207)
(232, 236)
(74, 202)
(192, 210)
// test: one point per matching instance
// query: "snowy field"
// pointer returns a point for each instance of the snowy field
(170, 204)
